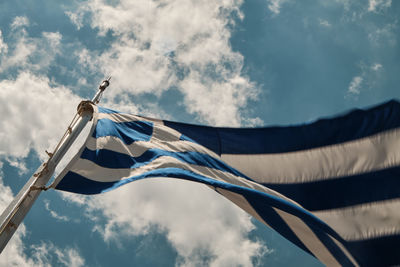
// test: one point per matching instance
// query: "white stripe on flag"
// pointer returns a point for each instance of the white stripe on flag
(351, 158)
(364, 221)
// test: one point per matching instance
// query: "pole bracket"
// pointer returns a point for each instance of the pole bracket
(49, 153)
(43, 188)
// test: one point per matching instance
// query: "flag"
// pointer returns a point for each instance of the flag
(331, 187)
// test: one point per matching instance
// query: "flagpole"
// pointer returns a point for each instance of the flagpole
(13, 215)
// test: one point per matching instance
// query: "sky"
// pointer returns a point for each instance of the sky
(227, 63)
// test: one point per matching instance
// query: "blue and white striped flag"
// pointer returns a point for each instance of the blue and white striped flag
(331, 187)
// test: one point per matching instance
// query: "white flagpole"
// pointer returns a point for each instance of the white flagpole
(13, 215)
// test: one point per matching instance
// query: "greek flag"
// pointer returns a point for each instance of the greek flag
(332, 187)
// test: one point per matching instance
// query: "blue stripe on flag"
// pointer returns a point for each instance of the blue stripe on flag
(353, 190)
(115, 160)
(128, 132)
(333, 248)
(269, 215)
(356, 124)
(203, 135)
(377, 251)
(73, 182)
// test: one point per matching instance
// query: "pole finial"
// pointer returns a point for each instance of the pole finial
(102, 87)
(105, 84)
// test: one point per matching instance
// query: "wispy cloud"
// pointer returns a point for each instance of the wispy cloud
(17, 163)
(275, 5)
(76, 18)
(24, 52)
(54, 214)
(383, 36)
(3, 46)
(324, 23)
(376, 67)
(19, 21)
(367, 79)
(47, 254)
(355, 85)
(375, 5)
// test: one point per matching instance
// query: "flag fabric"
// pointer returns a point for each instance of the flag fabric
(331, 187)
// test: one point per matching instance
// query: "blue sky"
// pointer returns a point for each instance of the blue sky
(231, 63)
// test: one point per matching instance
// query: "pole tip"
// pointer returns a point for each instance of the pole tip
(105, 84)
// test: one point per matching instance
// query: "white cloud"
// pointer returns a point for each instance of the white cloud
(344, 3)
(275, 5)
(374, 5)
(70, 257)
(19, 21)
(54, 214)
(355, 85)
(195, 219)
(180, 44)
(369, 78)
(3, 46)
(376, 67)
(324, 23)
(383, 36)
(47, 253)
(54, 39)
(23, 48)
(76, 18)
(34, 114)
(27, 53)
(215, 103)
(17, 163)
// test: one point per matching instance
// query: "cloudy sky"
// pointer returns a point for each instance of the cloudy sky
(225, 62)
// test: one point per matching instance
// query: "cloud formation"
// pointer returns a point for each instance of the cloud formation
(367, 79)
(355, 85)
(35, 114)
(54, 214)
(24, 52)
(19, 21)
(3, 46)
(375, 5)
(275, 5)
(176, 44)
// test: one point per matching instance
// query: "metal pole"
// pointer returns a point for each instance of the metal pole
(13, 215)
